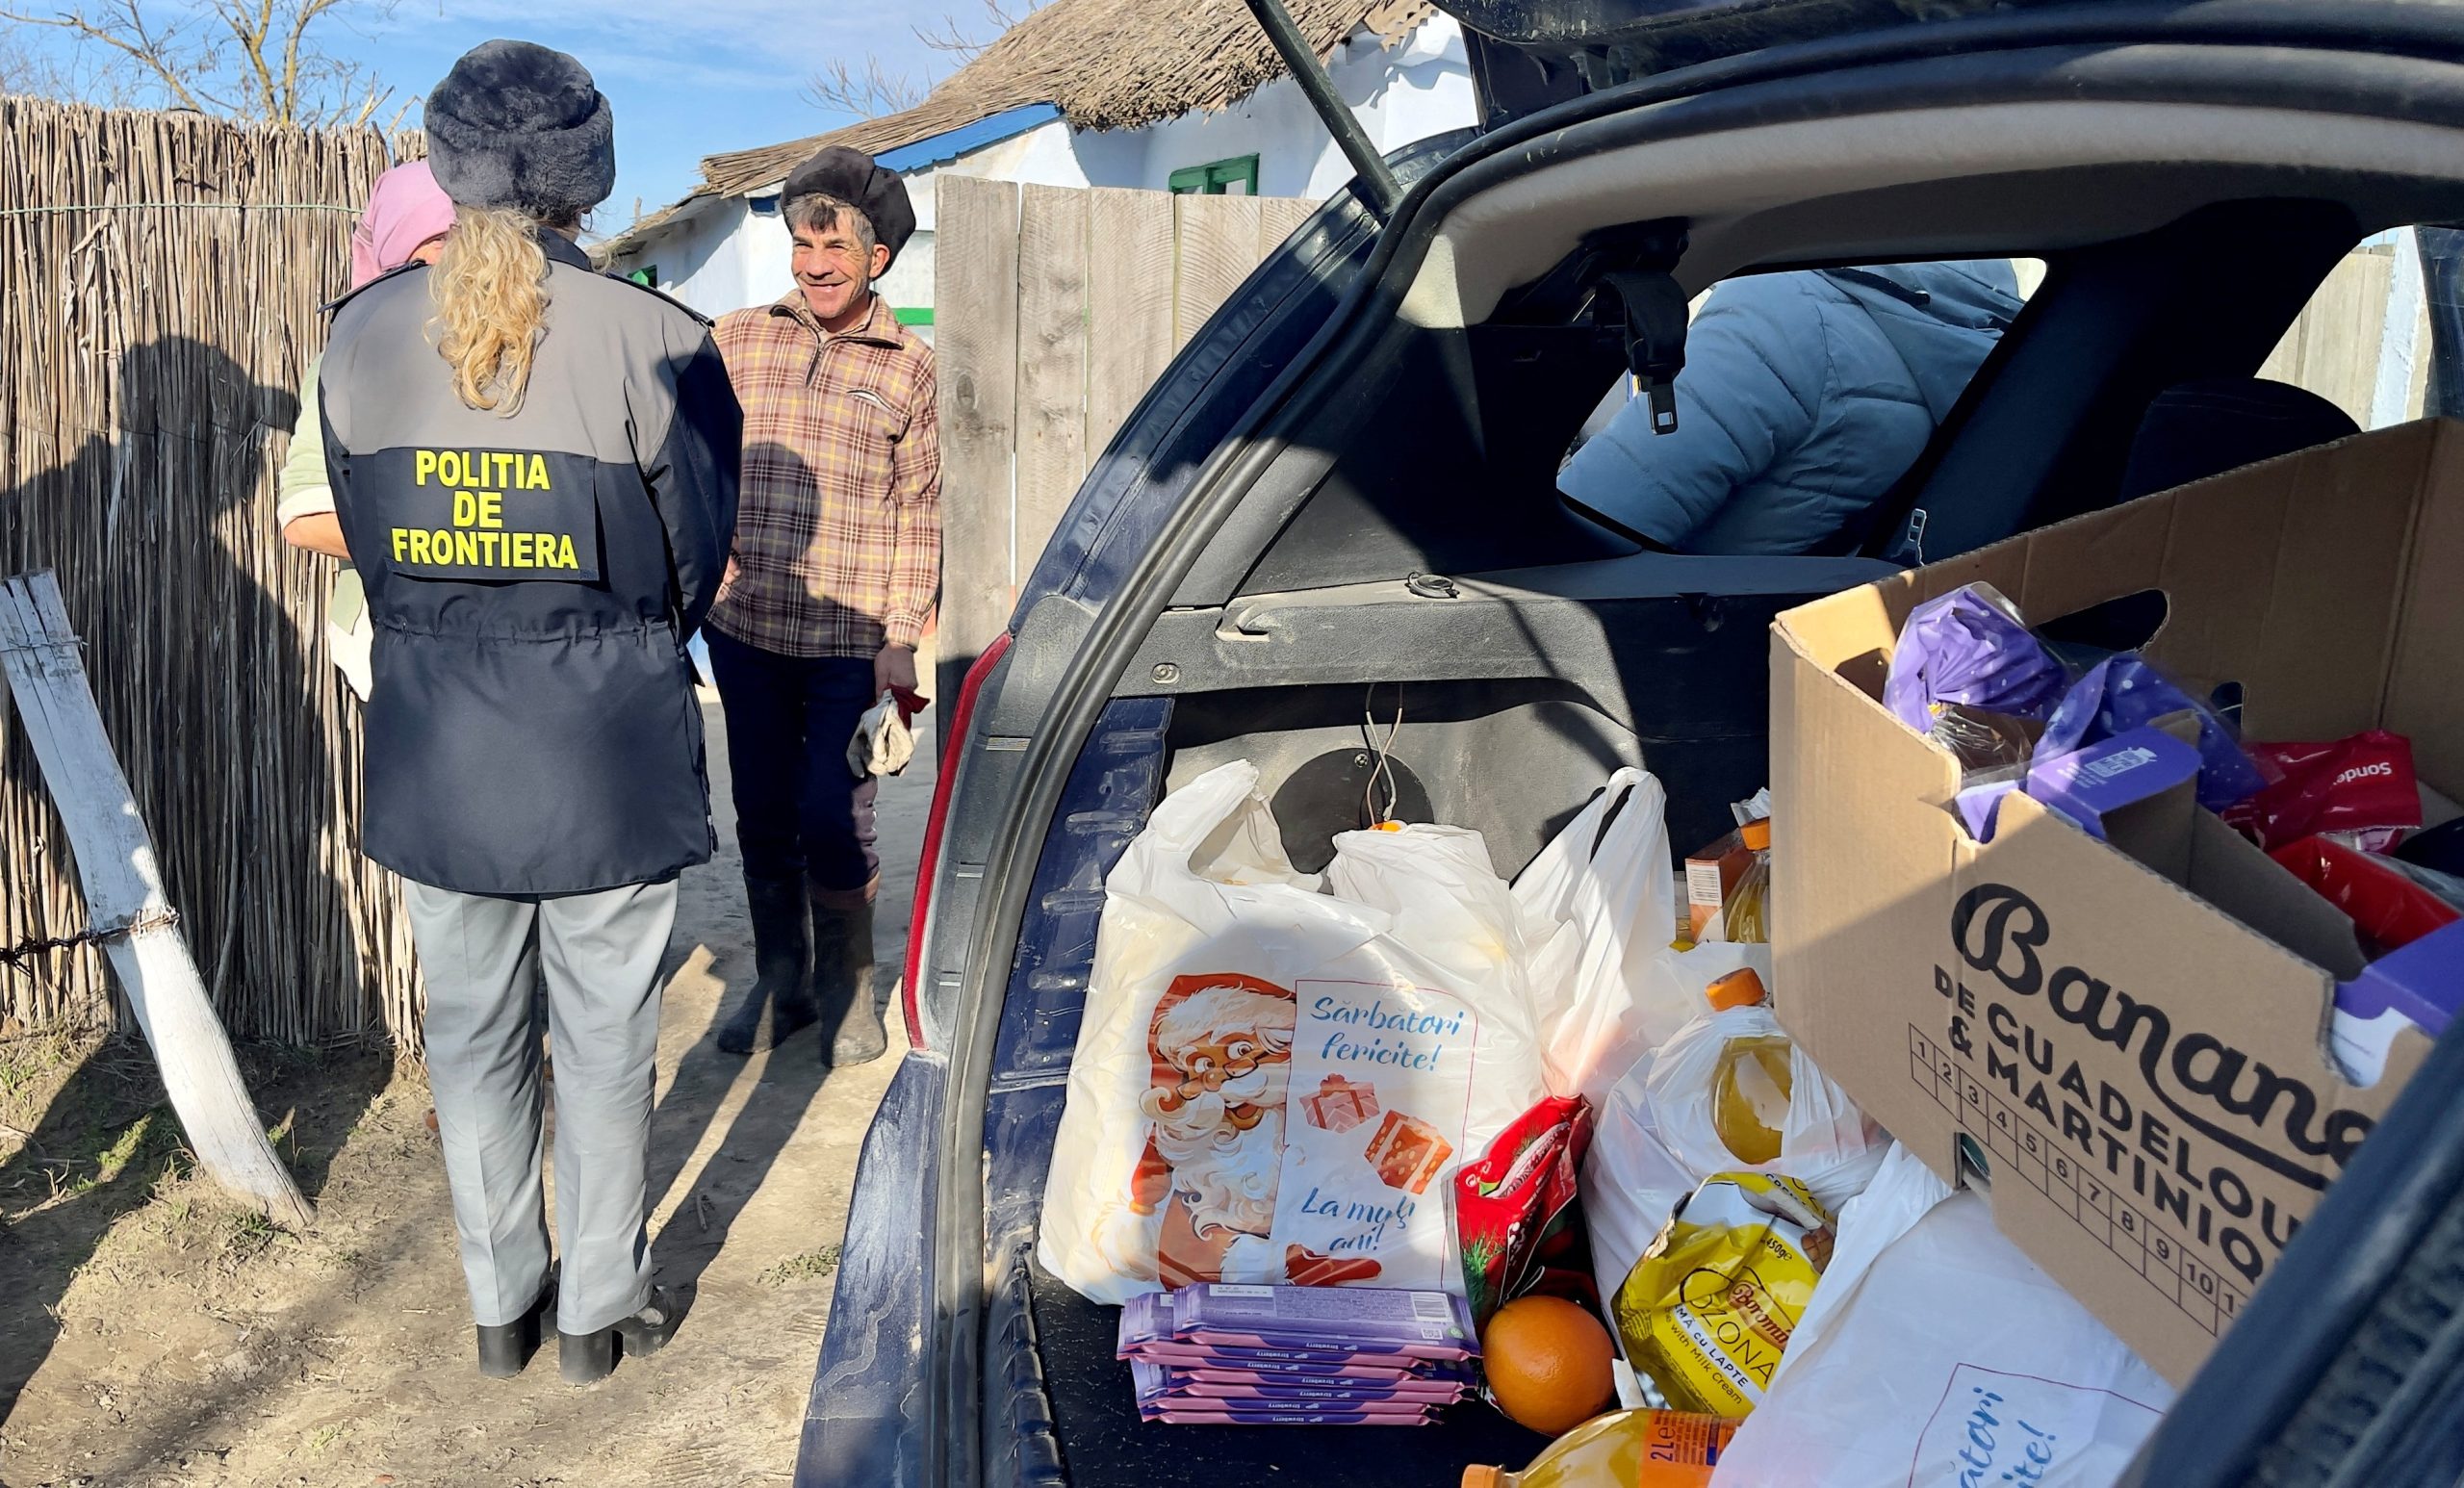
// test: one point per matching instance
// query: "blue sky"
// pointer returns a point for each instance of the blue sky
(687, 78)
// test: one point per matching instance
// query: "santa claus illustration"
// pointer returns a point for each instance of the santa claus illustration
(1222, 1056)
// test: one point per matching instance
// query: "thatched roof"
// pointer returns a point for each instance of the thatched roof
(1105, 63)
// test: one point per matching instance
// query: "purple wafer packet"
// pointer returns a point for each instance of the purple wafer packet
(1970, 647)
(1302, 1364)
(1190, 1414)
(1421, 1394)
(2088, 785)
(2121, 693)
(1143, 1320)
(1154, 1382)
(1360, 1320)
(1241, 1384)
(1197, 1357)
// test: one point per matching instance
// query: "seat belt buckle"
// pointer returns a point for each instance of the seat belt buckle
(1655, 323)
(1910, 550)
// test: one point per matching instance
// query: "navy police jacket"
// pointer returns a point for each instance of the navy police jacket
(532, 579)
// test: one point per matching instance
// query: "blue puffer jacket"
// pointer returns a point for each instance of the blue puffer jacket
(1805, 398)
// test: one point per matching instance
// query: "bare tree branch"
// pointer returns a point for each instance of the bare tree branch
(254, 60)
(30, 67)
(871, 90)
(951, 39)
(867, 94)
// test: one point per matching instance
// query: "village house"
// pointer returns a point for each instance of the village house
(1186, 98)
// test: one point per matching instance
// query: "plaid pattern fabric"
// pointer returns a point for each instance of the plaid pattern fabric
(839, 524)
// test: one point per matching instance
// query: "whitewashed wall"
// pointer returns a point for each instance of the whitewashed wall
(1415, 89)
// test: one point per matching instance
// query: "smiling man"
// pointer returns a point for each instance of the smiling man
(837, 561)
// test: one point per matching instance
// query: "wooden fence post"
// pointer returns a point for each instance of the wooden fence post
(1055, 308)
(124, 898)
(1052, 366)
(975, 335)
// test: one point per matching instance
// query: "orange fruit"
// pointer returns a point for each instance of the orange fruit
(1548, 1362)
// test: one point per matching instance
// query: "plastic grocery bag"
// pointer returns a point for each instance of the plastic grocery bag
(1935, 1356)
(1271, 1085)
(883, 743)
(1657, 1137)
(1709, 1310)
(1631, 1182)
(1825, 1143)
(1601, 905)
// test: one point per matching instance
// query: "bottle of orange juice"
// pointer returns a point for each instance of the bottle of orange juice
(1750, 1087)
(1627, 1448)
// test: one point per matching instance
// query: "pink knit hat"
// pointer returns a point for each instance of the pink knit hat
(406, 209)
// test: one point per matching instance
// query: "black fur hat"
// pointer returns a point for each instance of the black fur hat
(853, 177)
(516, 124)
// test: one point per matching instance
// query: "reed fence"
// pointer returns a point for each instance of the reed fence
(160, 275)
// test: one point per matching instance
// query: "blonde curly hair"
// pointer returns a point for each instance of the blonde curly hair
(491, 292)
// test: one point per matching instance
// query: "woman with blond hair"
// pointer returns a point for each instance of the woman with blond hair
(535, 470)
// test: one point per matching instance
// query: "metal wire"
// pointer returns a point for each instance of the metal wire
(1383, 770)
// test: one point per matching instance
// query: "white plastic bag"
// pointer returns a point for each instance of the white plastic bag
(883, 743)
(1827, 1144)
(1655, 1141)
(1935, 1356)
(1270, 1083)
(1601, 908)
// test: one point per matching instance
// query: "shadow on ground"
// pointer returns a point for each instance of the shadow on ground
(105, 1143)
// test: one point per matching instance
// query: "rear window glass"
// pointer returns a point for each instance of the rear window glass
(2363, 340)
(1805, 395)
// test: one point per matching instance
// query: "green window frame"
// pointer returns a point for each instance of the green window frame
(1216, 178)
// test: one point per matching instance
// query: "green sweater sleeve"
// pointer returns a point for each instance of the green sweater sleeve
(302, 488)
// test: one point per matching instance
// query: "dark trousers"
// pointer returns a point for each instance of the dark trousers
(798, 809)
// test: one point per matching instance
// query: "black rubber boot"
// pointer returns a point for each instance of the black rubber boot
(851, 1020)
(782, 962)
(505, 1348)
(587, 1358)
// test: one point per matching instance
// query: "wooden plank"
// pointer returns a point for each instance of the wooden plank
(2417, 392)
(1216, 244)
(118, 870)
(1280, 217)
(975, 331)
(1129, 305)
(1052, 364)
(2332, 348)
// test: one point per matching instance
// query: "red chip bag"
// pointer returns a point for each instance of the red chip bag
(2388, 910)
(2360, 790)
(1515, 1214)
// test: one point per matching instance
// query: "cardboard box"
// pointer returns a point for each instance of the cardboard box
(2133, 1031)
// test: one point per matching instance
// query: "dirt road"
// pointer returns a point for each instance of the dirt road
(150, 1335)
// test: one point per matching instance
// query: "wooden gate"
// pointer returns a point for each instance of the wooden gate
(1054, 308)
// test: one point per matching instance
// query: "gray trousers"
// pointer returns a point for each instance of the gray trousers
(483, 957)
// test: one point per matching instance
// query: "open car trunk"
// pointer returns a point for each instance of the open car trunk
(1374, 536)
(1518, 694)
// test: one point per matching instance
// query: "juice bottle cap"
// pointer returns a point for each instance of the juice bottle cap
(1756, 835)
(1476, 1475)
(1739, 988)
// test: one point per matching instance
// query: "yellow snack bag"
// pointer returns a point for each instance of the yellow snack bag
(1708, 1310)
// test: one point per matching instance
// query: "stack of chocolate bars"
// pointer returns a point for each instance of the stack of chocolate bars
(1242, 1355)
